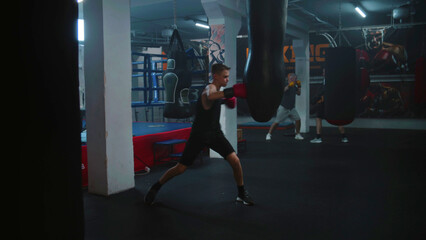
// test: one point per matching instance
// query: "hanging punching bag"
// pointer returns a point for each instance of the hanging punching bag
(177, 80)
(264, 70)
(341, 87)
(420, 81)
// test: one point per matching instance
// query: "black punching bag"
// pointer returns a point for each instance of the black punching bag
(264, 71)
(341, 87)
(177, 80)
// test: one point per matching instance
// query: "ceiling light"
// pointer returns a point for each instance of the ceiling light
(358, 9)
(202, 25)
(80, 27)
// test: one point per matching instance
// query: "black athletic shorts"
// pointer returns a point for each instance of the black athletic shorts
(197, 141)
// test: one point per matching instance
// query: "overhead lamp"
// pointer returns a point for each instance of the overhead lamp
(360, 12)
(198, 23)
(202, 25)
(80, 30)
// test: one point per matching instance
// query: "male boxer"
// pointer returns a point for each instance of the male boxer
(287, 107)
(319, 109)
(206, 132)
(385, 57)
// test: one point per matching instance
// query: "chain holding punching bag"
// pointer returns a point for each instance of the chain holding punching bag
(341, 86)
(177, 80)
(264, 71)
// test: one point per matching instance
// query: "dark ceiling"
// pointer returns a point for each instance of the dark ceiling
(149, 18)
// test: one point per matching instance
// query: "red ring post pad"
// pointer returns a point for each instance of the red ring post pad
(340, 95)
(264, 71)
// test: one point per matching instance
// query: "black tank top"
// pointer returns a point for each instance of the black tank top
(207, 120)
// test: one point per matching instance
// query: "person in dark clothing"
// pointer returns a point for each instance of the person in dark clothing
(318, 101)
(206, 132)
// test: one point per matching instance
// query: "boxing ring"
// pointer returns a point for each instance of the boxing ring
(146, 77)
(145, 134)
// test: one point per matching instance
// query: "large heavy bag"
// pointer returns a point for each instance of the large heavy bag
(264, 71)
(177, 80)
(420, 81)
(341, 86)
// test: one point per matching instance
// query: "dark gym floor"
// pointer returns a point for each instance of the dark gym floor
(370, 188)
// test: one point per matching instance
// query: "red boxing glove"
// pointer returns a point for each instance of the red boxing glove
(362, 57)
(230, 102)
(240, 90)
(383, 55)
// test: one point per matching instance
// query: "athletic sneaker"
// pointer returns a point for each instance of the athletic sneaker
(345, 140)
(316, 140)
(150, 196)
(298, 137)
(245, 198)
(268, 137)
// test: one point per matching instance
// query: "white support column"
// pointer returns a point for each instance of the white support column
(108, 96)
(228, 118)
(225, 22)
(301, 51)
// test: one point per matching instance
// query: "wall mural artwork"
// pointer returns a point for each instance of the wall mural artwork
(216, 45)
(390, 55)
(384, 56)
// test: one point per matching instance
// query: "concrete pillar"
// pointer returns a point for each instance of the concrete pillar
(107, 66)
(225, 23)
(301, 51)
